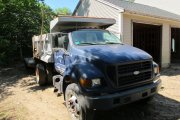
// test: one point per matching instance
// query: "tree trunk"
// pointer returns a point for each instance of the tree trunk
(20, 50)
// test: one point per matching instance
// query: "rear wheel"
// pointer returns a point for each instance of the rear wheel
(49, 72)
(74, 106)
(41, 77)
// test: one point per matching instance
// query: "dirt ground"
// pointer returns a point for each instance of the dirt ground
(22, 99)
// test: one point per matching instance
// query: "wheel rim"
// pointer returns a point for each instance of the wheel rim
(37, 75)
(73, 106)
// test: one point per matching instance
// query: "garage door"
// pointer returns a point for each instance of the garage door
(175, 45)
(148, 38)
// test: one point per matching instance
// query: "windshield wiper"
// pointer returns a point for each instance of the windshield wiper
(101, 43)
(95, 43)
(87, 43)
(112, 43)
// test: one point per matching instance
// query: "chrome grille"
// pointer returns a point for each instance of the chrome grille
(124, 74)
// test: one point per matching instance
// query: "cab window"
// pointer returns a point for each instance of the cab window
(63, 42)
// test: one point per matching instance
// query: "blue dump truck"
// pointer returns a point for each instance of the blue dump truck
(91, 67)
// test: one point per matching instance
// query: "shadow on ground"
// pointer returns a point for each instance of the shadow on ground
(160, 108)
(173, 70)
(39, 88)
(9, 77)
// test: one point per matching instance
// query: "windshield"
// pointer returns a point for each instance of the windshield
(94, 37)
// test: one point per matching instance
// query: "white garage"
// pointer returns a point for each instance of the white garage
(142, 26)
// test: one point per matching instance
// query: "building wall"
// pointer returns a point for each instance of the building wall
(168, 5)
(94, 8)
(128, 33)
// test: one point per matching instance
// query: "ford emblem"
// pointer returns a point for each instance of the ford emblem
(136, 72)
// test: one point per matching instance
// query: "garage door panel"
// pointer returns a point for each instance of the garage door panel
(148, 38)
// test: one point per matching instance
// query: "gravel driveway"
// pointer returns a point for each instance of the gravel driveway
(21, 98)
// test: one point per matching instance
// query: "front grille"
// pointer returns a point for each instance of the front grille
(132, 73)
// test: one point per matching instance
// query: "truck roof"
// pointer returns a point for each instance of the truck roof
(68, 23)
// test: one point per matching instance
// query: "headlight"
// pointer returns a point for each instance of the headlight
(90, 83)
(96, 82)
(156, 70)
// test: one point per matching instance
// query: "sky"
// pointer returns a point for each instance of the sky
(71, 4)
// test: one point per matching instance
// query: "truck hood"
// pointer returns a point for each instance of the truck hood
(115, 53)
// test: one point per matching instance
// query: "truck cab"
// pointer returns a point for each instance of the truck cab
(95, 70)
(106, 71)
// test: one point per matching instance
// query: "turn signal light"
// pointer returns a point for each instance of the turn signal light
(85, 83)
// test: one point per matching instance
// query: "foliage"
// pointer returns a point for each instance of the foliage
(63, 11)
(19, 21)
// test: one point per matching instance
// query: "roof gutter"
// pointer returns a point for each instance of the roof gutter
(153, 16)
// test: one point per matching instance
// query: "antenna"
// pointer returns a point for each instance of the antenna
(42, 18)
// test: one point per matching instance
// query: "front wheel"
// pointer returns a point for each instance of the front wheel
(74, 106)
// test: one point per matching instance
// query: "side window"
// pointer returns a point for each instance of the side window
(66, 42)
(63, 42)
(55, 41)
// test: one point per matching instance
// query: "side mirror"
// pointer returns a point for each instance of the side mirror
(65, 54)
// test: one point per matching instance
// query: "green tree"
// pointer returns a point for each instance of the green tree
(19, 21)
(63, 11)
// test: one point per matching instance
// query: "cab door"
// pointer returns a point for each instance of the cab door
(61, 56)
(67, 59)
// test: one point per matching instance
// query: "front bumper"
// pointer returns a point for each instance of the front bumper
(124, 97)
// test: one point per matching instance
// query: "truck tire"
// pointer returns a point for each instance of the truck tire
(75, 108)
(41, 77)
(49, 75)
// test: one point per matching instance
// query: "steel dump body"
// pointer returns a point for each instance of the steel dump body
(65, 23)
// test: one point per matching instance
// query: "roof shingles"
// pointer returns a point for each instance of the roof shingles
(144, 9)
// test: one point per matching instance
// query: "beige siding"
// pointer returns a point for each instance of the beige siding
(94, 8)
(166, 45)
(127, 30)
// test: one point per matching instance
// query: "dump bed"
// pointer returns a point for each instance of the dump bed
(69, 23)
(44, 46)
